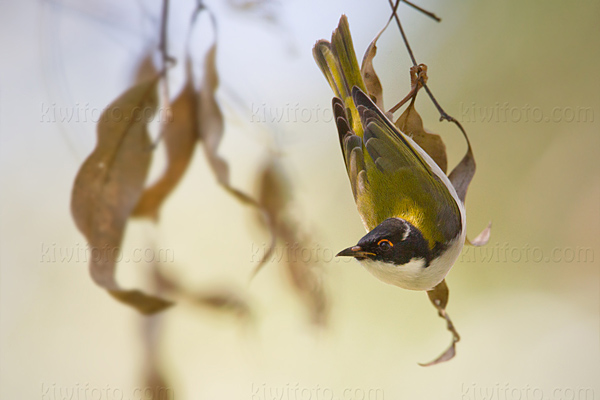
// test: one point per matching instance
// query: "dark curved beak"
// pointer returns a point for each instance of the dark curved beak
(354, 251)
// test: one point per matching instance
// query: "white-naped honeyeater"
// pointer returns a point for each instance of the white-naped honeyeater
(415, 220)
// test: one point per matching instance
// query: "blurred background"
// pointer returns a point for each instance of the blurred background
(521, 76)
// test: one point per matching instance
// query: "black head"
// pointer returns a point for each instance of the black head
(394, 241)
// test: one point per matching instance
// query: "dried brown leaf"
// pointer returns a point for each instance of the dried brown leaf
(463, 173)
(211, 126)
(109, 184)
(156, 385)
(217, 299)
(275, 196)
(303, 276)
(482, 238)
(180, 136)
(146, 69)
(223, 300)
(155, 380)
(411, 124)
(439, 298)
(368, 73)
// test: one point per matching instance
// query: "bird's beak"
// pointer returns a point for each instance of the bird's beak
(354, 251)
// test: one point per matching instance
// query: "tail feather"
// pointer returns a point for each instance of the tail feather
(337, 60)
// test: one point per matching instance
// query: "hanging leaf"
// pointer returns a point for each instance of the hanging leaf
(482, 238)
(180, 136)
(222, 300)
(368, 73)
(211, 128)
(211, 125)
(275, 197)
(146, 69)
(109, 184)
(303, 276)
(439, 298)
(463, 173)
(411, 124)
(461, 177)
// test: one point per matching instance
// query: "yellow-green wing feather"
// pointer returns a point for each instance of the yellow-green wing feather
(337, 60)
(401, 183)
(389, 177)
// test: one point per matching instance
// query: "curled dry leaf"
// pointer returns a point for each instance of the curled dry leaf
(482, 238)
(155, 380)
(157, 385)
(275, 197)
(180, 136)
(439, 298)
(411, 124)
(109, 185)
(368, 73)
(303, 276)
(461, 177)
(146, 69)
(223, 300)
(210, 131)
(463, 173)
(274, 194)
(211, 125)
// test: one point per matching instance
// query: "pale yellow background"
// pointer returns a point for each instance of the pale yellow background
(528, 328)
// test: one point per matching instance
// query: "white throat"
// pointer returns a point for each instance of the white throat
(413, 275)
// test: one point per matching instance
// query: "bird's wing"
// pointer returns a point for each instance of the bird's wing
(392, 177)
(337, 60)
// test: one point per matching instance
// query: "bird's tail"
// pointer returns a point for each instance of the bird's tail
(338, 63)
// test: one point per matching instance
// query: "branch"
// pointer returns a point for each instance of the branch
(443, 114)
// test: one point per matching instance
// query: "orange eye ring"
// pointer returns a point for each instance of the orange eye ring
(385, 241)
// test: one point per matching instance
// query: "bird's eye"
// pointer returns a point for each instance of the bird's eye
(385, 244)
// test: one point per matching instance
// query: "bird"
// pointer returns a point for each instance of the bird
(414, 218)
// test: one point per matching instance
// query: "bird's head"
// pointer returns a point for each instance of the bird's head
(395, 241)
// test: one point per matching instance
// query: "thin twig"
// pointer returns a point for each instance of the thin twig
(443, 114)
(166, 61)
(163, 43)
(410, 52)
(428, 13)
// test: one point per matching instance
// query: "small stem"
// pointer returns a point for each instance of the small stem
(394, 9)
(411, 94)
(166, 60)
(443, 114)
(428, 13)
(163, 35)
